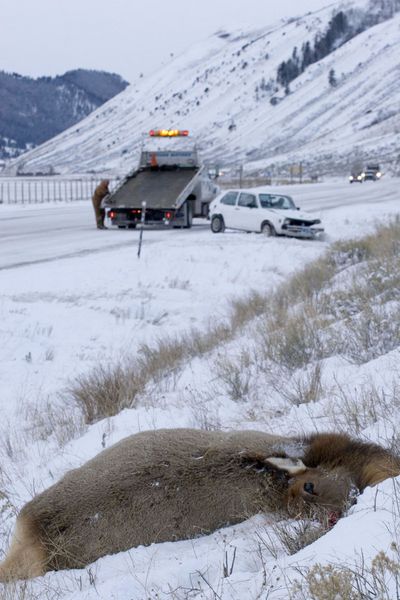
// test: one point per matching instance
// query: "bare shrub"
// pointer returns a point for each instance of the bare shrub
(204, 411)
(294, 342)
(303, 387)
(49, 419)
(179, 284)
(374, 332)
(215, 335)
(326, 583)
(157, 360)
(382, 278)
(235, 374)
(106, 390)
(294, 330)
(289, 536)
(353, 410)
(382, 243)
(308, 282)
(18, 591)
(44, 589)
(378, 581)
(245, 309)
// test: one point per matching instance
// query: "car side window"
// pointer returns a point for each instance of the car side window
(284, 202)
(229, 198)
(247, 200)
(265, 200)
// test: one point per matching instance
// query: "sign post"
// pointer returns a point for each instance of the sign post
(142, 220)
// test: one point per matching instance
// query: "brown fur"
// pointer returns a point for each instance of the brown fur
(366, 463)
(100, 193)
(180, 483)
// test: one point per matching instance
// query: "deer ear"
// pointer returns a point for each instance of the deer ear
(282, 467)
(291, 466)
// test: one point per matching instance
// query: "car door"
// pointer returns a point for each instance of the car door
(245, 214)
(226, 207)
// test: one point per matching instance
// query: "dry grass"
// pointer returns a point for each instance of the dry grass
(289, 536)
(303, 387)
(354, 409)
(297, 327)
(373, 332)
(234, 374)
(247, 308)
(108, 389)
(52, 419)
(294, 342)
(379, 581)
(105, 391)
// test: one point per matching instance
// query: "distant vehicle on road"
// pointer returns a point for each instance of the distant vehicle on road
(372, 173)
(356, 177)
(262, 212)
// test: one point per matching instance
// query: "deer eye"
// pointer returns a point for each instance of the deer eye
(309, 487)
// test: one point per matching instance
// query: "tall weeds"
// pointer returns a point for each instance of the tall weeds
(342, 303)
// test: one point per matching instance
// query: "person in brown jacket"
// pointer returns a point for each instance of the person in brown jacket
(100, 192)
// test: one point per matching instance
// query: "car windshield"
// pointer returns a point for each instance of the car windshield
(276, 201)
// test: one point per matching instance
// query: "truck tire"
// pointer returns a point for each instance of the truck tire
(205, 209)
(268, 230)
(189, 216)
(217, 224)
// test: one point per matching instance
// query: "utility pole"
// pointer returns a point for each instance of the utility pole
(240, 176)
(142, 220)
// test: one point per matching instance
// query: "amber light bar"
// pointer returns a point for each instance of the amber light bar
(169, 132)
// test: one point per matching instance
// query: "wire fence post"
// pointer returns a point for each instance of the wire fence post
(142, 220)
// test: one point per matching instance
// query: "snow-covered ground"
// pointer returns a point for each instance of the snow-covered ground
(84, 302)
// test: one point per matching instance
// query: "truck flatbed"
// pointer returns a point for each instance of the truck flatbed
(159, 188)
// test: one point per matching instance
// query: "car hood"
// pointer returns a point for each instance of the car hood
(298, 215)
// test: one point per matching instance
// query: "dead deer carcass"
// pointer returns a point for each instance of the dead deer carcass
(173, 484)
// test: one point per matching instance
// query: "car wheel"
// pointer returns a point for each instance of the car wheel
(217, 224)
(268, 230)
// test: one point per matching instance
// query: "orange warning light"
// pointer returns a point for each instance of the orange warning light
(169, 132)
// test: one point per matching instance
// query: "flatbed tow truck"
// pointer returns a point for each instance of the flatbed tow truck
(170, 184)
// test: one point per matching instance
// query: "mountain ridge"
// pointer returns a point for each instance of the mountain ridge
(225, 91)
(33, 110)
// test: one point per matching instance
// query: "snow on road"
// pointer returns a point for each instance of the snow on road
(84, 298)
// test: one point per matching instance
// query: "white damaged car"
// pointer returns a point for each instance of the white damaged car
(262, 212)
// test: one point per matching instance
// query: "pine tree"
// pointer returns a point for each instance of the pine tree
(332, 78)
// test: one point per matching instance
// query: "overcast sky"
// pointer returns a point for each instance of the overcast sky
(49, 37)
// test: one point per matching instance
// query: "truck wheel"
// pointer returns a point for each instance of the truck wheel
(217, 224)
(268, 230)
(205, 210)
(189, 216)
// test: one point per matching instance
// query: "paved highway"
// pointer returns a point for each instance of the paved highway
(47, 232)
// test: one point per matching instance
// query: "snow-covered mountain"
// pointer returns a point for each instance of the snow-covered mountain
(225, 90)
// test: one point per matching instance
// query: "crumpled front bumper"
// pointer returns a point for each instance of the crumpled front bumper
(302, 231)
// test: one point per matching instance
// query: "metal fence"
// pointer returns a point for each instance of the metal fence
(32, 190)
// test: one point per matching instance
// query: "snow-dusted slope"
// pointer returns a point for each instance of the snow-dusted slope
(214, 91)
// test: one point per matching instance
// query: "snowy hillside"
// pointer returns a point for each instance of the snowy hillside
(225, 91)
